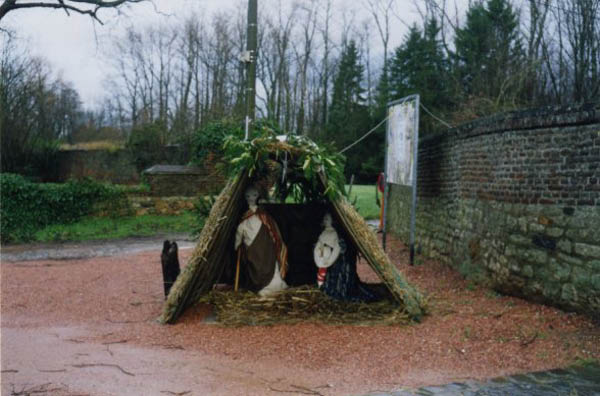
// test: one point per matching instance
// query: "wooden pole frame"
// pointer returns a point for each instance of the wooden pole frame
(237, 269)
(251, 47)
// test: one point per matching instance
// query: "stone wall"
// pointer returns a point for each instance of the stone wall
(514, 200)
(161, 205)
(174, 180)
(114, 166)
(118, 166)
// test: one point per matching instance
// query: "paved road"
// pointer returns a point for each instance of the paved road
(99, 248)
(579, 380)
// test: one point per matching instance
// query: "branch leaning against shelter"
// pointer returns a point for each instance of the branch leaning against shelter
(311, 174)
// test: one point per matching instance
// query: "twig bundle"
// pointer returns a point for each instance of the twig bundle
(301, 304)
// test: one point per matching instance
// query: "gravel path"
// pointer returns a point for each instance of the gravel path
(87, 326)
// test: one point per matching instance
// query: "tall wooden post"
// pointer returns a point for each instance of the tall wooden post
(251, 64)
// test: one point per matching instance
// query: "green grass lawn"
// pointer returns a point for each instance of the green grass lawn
(91, 228)
(365, 200)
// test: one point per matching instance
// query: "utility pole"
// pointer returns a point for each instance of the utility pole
(250, 58)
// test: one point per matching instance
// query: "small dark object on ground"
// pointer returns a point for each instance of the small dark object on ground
(170, 265)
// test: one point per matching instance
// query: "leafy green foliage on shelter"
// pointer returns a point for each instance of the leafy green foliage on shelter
(295, 166)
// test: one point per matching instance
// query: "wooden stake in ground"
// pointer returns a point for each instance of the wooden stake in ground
(237, 269)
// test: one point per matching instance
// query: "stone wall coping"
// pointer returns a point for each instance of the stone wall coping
(535, 118)
(172, 170)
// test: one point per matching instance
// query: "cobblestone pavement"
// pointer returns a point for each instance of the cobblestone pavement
(579, 380)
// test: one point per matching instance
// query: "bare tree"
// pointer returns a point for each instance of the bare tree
(365, 44)
(238, 77)
(534, 34)
(303, 56)
(325, 76)
(186, 59)
(570, 51)
(381, 11)
(582, 24)
(274, 65)
(35, 110)
(84, 7)
(144, 62)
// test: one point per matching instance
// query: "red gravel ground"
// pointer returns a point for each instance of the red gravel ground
(88, 327)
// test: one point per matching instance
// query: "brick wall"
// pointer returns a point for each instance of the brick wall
(514, 200)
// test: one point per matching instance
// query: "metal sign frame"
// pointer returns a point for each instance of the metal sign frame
(415, 153)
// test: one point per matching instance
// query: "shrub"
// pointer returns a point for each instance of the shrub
(210, 138)
(202, 207)
(146, 144)
(35, 159)
(44, 158)
(27, 207)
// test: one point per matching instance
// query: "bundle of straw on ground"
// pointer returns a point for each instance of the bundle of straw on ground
(301, 304)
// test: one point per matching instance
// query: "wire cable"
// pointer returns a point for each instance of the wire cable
(384, 120)
(435, 117)
(364, 136)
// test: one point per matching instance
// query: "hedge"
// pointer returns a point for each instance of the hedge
(26, 207)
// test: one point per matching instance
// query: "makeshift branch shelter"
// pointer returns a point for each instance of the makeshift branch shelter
(296, 166)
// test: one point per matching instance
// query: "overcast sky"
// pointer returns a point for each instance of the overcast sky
(73, 45)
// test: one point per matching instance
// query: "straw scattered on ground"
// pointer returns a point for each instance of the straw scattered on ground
(301, 304)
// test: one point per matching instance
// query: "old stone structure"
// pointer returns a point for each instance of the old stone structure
(178, 180)
(514, 200)
(116, 166)
(143, 205)
(165, 180)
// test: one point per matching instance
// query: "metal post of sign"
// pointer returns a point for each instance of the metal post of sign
(413, 208)
(385, 201)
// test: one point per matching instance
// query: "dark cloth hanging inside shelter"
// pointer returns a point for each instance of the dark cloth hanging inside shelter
(342, 281)
(258, 261)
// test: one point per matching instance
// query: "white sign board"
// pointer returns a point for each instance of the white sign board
(400, 138)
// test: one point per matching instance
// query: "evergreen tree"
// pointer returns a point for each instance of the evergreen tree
(348, 114)
(347, 89)
(489, 51)
(420, 66)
